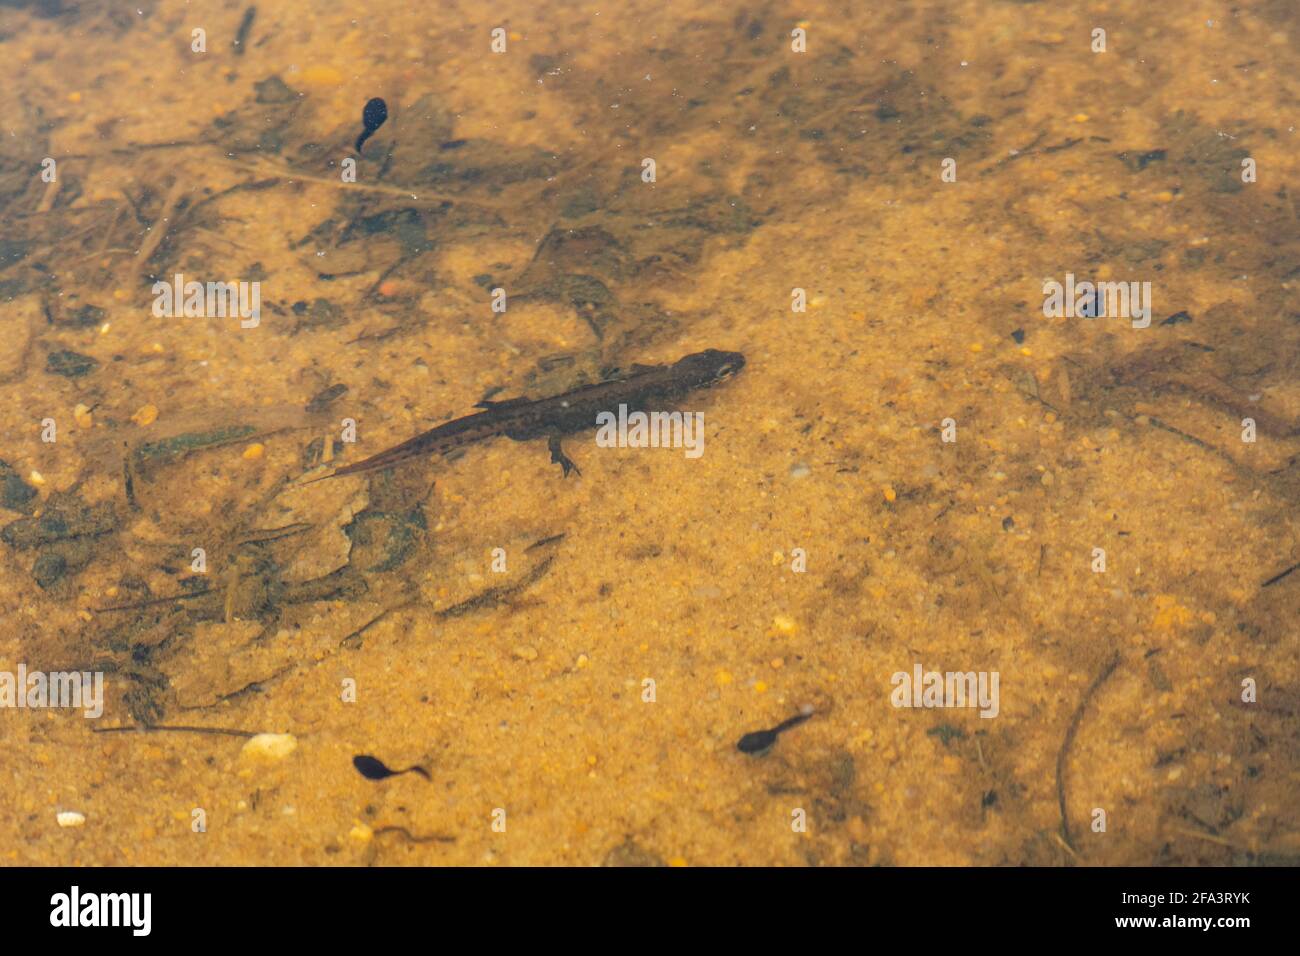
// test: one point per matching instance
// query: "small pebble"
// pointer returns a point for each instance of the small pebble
(70, 818)
(254, 451)
(145, 415)
(800, 470)
(268, 748)
(81, 415)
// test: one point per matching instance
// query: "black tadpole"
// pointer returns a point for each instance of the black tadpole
(372, 117)
(760, 740)
(372, 768)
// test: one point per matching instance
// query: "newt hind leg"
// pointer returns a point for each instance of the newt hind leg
(558, 457)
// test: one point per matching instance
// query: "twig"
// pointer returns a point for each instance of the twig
(48, 197)
(413, 195)
(1070, 733)
(152, 601)
(180, 728)
(543, 542)
(240, 43)
(200, 231)
(375, 620)
(1278, 577)
(1065, 846)
(1199, 834)
(112, 227)
(132, 148)
(160, 225)
(431, 838)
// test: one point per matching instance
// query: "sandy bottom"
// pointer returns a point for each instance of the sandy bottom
(916, 468)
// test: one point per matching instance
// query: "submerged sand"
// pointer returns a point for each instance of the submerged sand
(364, 615)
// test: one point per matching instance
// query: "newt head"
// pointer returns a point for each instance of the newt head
(709, 367)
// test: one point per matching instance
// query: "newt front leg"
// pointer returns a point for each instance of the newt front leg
(558, 456)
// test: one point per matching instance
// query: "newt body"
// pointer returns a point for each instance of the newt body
(523, 419)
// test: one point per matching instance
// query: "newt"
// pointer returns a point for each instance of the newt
(522, 419)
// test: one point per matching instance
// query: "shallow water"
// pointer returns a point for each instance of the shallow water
(918, 468)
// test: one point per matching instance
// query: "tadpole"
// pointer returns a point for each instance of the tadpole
(760, 740)
(372, 768)
(372, 117)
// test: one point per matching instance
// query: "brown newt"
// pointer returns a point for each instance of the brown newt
(523, 418)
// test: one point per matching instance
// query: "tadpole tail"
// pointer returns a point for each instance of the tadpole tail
(794, 721)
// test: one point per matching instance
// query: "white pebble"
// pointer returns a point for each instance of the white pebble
(70, 818)
(269, 747)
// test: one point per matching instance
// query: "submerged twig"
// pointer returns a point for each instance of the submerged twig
(1070, 733)
(160, 224)
(178, 728)
(431, 838)
(51, 192)
(1278, 577)
(543, 542)
(149, 602)
(414, 195)
(375, 620)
